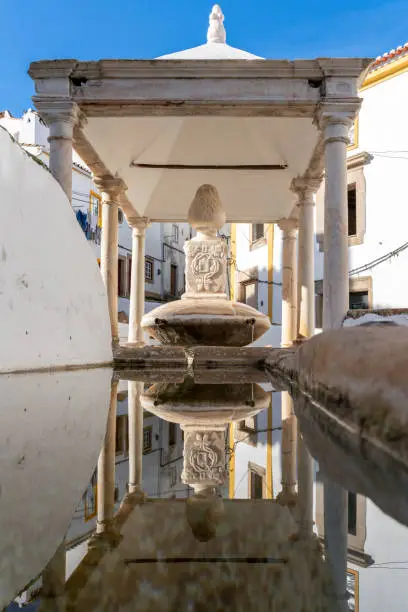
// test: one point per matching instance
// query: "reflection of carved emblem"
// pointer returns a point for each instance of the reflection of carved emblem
(203, 456)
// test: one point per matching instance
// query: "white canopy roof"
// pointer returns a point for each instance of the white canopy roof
(211, 114)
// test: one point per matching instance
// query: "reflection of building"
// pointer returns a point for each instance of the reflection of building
(257, 537)
(164, 261)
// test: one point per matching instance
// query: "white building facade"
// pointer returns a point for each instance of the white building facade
(378, 258)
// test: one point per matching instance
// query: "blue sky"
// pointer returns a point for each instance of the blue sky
(90, 29)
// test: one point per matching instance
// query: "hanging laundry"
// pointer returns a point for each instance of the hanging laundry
(82, 219)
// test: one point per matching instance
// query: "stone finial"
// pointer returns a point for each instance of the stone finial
(206, 213)
(216, 31)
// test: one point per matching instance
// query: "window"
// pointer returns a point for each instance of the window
(352, 209)
(121, 277)
(356, 200)
(147, 439)
(352, 514)
(90, 497)
(246, 288)
(129, 274)
(245, 431)
(258, 231)
(175, 233)
(149, 269)
(172, 434)
(256, 481)
(257, 235)
(173, 280)
(360, 296)
(122, 432)
(256, 486)
(250, 293)
(358, 300)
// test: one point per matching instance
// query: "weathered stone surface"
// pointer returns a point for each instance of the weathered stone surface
(361, 375)
(360, 465)
(295, 578)
(205, 322)
(150, 356)
(227, 356)
(204, 404)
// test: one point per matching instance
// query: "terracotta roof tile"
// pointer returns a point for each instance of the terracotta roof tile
(390, 56)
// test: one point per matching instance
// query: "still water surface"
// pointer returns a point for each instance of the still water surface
(181, 493)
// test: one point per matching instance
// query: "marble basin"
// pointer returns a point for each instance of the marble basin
(205, 322)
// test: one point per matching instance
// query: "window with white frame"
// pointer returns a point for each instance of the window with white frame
(149, 269)
(175, 233)
(257, 234)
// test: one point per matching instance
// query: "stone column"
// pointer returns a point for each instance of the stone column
(137, 283)
(60, 116)
(335, 306)
(106, 471)
(135, 411)
(289, 281)
(305, 188)
(336, 281)
(111, 189)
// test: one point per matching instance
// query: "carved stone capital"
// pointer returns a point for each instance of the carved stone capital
(60, 115)
(111, 188)
(305, 188)
(336, 120)
(288, 227)
(139, 225)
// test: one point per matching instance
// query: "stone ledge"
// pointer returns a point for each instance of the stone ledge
(382, 312)
(134, 356)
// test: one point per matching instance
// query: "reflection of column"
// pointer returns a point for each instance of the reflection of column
(289, 450)
(137, 282)
(53, 576)
(135, 411)
(106, 471)
(335, 305)
(111, 189)
(305, 487)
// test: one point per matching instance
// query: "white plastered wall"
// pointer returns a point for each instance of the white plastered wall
(53, 305)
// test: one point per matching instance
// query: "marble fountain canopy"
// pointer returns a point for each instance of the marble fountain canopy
(212, 114)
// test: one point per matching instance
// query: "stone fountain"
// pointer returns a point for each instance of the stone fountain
(205, 315)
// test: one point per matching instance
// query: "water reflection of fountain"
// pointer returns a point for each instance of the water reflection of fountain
(204, 412)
